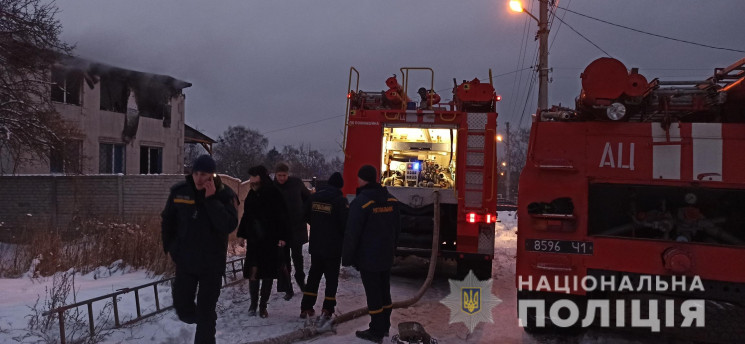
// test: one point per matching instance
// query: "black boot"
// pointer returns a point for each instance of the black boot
(266, 291)
(370, 335)
(387, 314)
(253, 290)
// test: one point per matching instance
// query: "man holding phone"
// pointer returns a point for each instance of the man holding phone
(199, 215)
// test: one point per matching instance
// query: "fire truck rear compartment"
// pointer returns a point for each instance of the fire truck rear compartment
(417, 161)
(419, 157)
(686, 214)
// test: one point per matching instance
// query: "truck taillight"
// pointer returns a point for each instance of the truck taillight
(475, 218)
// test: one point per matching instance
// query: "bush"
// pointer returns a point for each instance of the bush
(91, 244)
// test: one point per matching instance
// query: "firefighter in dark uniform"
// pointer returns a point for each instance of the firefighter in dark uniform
(199, 215)
(326, 212)
(369, 244)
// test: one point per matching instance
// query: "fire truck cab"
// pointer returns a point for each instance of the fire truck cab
(420, 147)
(643, 181)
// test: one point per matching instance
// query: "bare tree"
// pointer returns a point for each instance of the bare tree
(191, 152)
(304, 162)
(30, 127)
(517, 156)
(239, 148)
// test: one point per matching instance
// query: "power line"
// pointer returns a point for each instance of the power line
(337, 116)
(517, 80)
(528, 95)
(303, 124)
(493, 76)
(581, 35)
(651, 34)
(556, 34)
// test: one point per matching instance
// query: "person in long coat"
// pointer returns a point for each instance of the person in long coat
(264, 226)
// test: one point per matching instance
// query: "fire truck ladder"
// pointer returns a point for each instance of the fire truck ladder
(478, 159)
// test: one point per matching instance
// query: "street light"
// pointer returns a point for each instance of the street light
(516, 6)
(499, 137)
(504, 163)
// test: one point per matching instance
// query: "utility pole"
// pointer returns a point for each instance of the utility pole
(508, 194)
(543, 56)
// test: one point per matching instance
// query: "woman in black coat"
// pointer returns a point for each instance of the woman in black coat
(264, 226)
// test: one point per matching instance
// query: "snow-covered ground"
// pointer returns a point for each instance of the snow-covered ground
(18, 296)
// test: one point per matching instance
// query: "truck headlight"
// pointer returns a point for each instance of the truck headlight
(616, 111)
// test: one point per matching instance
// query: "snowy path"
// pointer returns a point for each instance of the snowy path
(234, 325)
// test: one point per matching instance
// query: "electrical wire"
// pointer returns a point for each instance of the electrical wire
(517, 81)
(556, 34)
(493, 76)
(652, 34)
(303, 124)
(337, 116)
(581, 35)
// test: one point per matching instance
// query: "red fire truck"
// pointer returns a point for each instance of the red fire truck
(420, 147)
(644, 181)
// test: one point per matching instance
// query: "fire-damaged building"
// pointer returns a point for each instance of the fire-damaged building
(128, 122)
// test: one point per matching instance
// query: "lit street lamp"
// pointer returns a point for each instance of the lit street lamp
(516, 6)
(499, 137)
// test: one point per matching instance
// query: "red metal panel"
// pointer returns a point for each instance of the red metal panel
(733, 165)
(364, 147)
(580, 146)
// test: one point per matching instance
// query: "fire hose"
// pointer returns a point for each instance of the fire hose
(311, 331)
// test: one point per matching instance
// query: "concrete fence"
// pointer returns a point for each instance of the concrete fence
(51, 202)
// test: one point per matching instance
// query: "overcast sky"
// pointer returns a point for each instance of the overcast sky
(273, 64)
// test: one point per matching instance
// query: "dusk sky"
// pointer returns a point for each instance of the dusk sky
(270, 65)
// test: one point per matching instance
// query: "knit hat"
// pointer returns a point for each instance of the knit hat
(368, 173)
(336, 180)
(204, 163)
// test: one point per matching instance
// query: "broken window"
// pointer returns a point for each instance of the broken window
(67, 158)
(114, 94)
(151, 160)
(66, 86)
(153, 100)
(111, 159)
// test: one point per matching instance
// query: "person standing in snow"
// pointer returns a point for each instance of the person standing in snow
(265, 229)
(295, 195)
(326, 212)
(369, 245)
(198, 217)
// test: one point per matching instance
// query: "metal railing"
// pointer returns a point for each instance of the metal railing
(60, 311)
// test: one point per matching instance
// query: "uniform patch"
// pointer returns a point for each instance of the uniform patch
(322, 207)
(387, 209)
(183, 200)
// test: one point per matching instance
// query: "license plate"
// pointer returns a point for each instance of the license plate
(559, 246)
